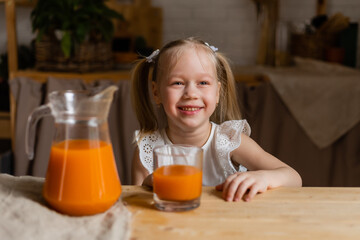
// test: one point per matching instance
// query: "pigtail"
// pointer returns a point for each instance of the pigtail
(140, 96)
(228, 107)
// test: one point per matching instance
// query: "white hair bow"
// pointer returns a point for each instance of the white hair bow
(215, 49)
(150, 58)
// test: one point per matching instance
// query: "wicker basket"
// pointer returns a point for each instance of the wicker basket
(87, 57)
(311, 46)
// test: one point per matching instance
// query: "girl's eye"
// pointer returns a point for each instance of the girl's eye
(204, 83)
(176, 83)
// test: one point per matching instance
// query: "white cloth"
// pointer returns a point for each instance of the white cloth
(217, 165)
(25, 215)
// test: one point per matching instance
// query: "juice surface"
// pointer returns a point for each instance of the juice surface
(177, 182)
(82, 178)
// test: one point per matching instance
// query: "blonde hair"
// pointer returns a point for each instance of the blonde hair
(145, 72)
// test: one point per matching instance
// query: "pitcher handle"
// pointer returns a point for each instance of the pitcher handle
(39, 112)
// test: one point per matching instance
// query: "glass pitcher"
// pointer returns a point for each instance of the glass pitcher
(82, 177)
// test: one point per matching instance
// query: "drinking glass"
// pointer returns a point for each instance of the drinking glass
(177, 177)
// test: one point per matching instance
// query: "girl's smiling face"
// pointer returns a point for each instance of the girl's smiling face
(189, 91)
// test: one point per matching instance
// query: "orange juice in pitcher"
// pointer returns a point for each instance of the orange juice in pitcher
(82, 177)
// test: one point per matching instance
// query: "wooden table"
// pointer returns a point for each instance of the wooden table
(283, 213)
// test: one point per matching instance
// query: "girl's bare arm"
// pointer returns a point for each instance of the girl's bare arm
(265, 172)
(253, 157)
(138, 172)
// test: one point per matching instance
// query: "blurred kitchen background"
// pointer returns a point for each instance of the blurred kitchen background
(234, 26)
(297, 66)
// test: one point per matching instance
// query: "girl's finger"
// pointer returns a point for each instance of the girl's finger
(226, 185)
(242, 189)
(254, 189)
(231, 185)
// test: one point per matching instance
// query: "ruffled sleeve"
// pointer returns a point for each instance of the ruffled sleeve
(228, 138)
(146, 146)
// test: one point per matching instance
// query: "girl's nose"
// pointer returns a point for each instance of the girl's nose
(190, 91)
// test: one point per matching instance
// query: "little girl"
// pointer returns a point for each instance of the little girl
(194, 90)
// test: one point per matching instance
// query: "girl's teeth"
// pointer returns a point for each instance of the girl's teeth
(190, 109)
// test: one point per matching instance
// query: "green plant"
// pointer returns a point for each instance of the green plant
(73, 21)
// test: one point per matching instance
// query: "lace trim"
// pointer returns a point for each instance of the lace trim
(228, 138)
(146, 146)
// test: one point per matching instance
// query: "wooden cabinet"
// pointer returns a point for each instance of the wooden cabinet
(5, 132)
(129, 13)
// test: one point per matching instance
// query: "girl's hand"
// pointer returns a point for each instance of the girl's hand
(243, 185)
(148, 181)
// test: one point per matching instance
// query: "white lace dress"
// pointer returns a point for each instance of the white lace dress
(217, 165)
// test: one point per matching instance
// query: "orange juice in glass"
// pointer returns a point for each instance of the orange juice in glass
(177, 177)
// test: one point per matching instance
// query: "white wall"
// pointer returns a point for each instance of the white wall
(230, 25)
(24, 32)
